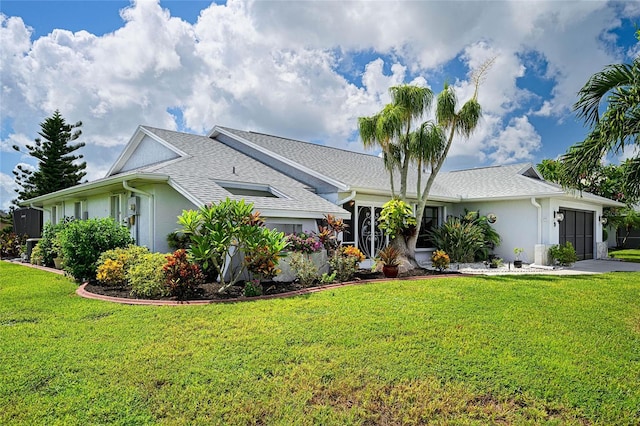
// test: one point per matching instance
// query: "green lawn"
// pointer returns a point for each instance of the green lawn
(630, 255)
(476, 350)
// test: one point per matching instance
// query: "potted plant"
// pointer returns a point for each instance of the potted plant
(495, 262)
(517, 251)
(390, 259)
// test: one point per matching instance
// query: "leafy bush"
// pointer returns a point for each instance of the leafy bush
(37, 255)
(181, 276)
(328, 234)
(114, 264)
(395, 218)
(563, 255)
(82, 242)
(304, 269)
(344, 267)
(178, 240)
(461, 240)
(304, 243)
(11, 243)
(328, 278)
(49, 244)
(440, 260)
(147, 276)
(252, 289)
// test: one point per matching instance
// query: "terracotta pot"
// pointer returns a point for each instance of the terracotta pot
(390, 271)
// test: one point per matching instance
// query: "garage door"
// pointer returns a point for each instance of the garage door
(577, 228)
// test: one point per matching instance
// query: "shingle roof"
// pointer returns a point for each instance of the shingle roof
(209, 161)
(355, 170)
(363, 171)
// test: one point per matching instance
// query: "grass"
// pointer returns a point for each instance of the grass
(475, 350)
(628, 255)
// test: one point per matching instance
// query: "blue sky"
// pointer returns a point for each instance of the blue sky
(304, 69)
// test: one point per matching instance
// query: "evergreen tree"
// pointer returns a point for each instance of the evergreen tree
(57, 166)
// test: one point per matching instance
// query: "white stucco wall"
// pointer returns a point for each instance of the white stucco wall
(516, 225)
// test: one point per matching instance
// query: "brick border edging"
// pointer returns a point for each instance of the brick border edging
(82, 292)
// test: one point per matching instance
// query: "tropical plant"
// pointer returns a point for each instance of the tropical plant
(262, 254)
(147, 276)
(328, 234)
(303, 268)
(460, 239)
(181, 276)
(563, 255)
(11, 243)
(37, 255)
(352, 251)
(222, 232)
(396, 218)
(496, 262)
(389, 256)
(626, 219)
(618, 127)
(440, 260)
(178, 240)
(252, 288)
(517, 252)
(57, 167)
(83, 241)
(343, 266)
(491, 238)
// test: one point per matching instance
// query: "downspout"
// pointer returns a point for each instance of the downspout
(31, 206)
(539, 207)
(346, 200)
(126, 186)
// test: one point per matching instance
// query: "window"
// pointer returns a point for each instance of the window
(348, 236)
(287, 228)
(115, 208)
(77, 210)
(54, 214)
(429, 222)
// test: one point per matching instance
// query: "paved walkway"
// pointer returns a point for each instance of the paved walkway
(599, 266)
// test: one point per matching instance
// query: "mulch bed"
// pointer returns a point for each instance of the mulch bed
(209, 291)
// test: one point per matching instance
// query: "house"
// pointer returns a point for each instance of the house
(293, 184)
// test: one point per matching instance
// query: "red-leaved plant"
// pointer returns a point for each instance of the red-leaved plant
(182, 277)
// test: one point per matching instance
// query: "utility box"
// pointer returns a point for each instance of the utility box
(27, 221)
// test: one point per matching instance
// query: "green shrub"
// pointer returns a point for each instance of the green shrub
(114, 264)
(440, 260)
(49, 243)
(181, 276)
(178, 241)
(37, 255)
(147, 277)
(252, 289)
(343, 266)
(563, 255)
(461, 240)
(304, 269)
(83, 241)
(396, 218)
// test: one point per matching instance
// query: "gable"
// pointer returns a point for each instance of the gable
(148, 152)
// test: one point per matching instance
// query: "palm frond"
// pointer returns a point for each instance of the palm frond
(446, 107)
(468, 117)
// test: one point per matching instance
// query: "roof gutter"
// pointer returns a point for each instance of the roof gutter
(347, 199)
(126, 186)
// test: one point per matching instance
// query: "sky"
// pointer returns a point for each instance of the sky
(299, 69)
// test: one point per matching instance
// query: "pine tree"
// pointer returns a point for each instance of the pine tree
(57, 166)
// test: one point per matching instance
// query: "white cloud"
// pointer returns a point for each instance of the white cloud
(274, 67)
(7, 193)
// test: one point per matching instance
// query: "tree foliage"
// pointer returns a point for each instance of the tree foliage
(58, 168)
(406, 146)
(617, 85)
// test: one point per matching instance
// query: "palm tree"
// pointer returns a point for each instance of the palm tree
(390, 129)
(617, 127)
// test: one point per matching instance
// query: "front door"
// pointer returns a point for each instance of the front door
(578, 228)
(370, 237)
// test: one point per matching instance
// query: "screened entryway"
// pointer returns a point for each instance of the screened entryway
(578, 228)
(370, 237)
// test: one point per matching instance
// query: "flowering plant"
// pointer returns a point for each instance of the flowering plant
(304, 243)
(351, 251)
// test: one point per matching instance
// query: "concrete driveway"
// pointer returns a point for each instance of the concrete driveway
(601, 266)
